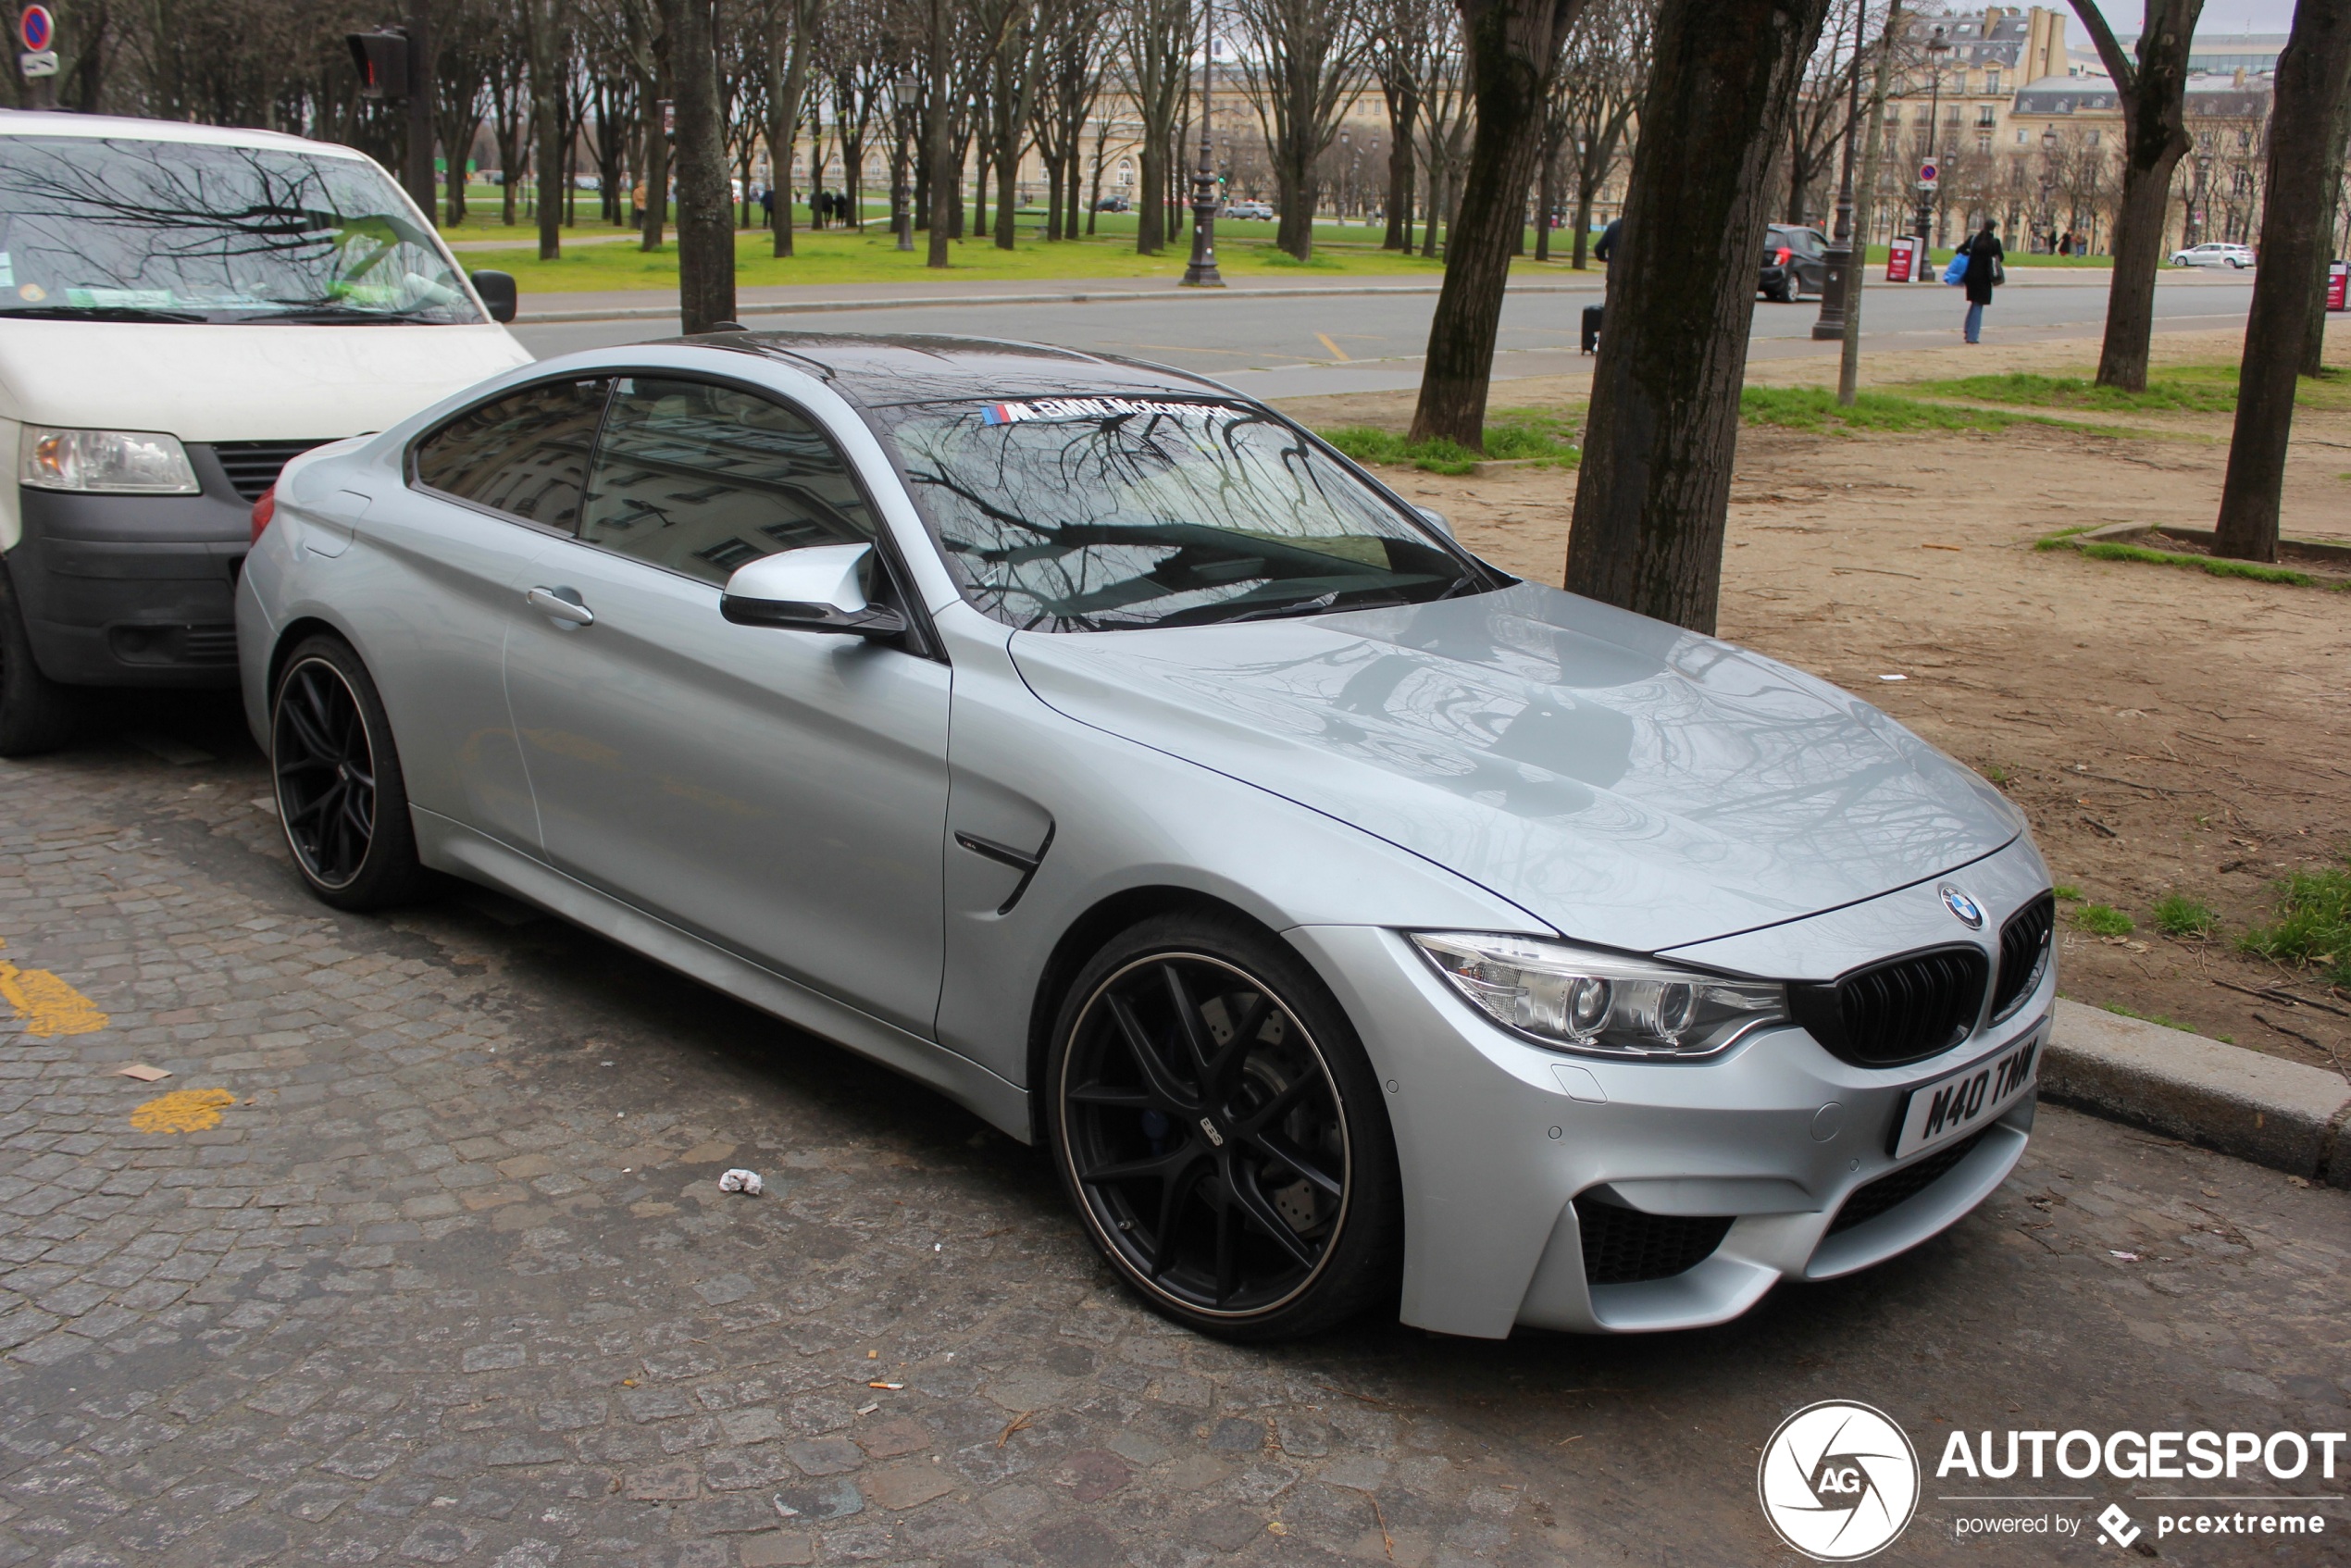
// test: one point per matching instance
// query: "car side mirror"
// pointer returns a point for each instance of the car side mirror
(497, 292)
(1436, 520)
(819, 588)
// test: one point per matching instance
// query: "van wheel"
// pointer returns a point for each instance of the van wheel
(340, 796)
(1222, 1134)
(36, 714)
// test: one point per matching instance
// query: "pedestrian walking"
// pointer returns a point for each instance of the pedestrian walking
(1983, 274)
(1606, 247)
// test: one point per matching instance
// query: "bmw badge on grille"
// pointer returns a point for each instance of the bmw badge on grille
(1965, 910)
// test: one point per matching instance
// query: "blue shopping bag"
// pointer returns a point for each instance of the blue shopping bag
(1957, 271)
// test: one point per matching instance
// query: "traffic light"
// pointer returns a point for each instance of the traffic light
(382, 59)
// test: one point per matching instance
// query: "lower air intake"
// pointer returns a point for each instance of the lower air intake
(1625, 1246)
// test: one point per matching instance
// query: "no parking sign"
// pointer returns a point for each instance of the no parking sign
(36, 29)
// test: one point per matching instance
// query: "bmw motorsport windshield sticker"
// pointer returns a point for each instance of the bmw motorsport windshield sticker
(1086, 408)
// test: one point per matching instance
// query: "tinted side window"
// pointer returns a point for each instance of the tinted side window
(701, 479)
(524, 454)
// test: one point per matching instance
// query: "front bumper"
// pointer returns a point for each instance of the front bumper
(133, 589)
(1509, 1150)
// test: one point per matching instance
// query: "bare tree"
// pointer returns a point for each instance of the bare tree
(789, 30)
(1155, 51)
(1513, 47)
(1072, 85)
(1654, 493)
(1602, 80)
(1304, 74)
(2314, 76)
(2152, 90)
(547, 39)
(1817, 125)
(1403, 38)
(705, 207)
(1445, 108)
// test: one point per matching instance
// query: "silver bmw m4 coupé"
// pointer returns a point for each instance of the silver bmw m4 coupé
(1355, 925)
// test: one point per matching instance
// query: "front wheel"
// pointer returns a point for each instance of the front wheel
(340, 796)
(1220, 1130)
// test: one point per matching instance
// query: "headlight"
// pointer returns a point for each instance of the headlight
(123, 462)
(1574, 999)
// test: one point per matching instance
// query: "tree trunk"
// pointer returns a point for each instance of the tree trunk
(2312, 82)
(2153, 92)
(1849, 373)
(1298, 191)
(943, 173)
(1403, 110)
(1150, 218)
(656, 218)
(787, 82)
(1512, 46)
(706, 204)
(2314, 343)
(1655, 490)
(549, 168)
(1546, 197)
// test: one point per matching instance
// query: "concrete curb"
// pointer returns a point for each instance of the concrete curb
(1096, 296)
(2273, 1112)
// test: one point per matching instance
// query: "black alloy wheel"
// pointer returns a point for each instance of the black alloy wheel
(1228, 1155)
(339, 794)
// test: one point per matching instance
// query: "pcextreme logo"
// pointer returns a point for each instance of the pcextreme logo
(1838, 1481)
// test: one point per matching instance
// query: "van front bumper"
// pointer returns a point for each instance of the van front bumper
(131, 590)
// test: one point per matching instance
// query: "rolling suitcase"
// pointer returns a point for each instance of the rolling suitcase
(1591, 328)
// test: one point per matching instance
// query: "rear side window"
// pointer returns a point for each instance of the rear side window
(701, 479)
(524, 454)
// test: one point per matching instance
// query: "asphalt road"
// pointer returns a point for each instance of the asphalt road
(452, 1281)
(1277, 347)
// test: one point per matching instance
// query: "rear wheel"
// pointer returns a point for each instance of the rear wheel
(1221, 1132)
(341, 797)
(36, 714)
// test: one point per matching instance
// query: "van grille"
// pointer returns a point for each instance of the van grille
(254, 466)
(1904, 1010)
(1625, 1247)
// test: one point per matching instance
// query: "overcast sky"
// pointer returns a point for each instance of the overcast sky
(2219, 15)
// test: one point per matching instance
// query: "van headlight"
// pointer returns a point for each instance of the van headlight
(118, 462)
(1575, 998)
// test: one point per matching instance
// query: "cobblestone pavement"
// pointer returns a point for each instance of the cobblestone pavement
(452, 1281)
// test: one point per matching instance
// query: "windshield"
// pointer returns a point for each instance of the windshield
(1097, 513)
(120, 230)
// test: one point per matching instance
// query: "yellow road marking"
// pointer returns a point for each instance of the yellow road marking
(184, 1109)
(48, 1005)
(1336, 350)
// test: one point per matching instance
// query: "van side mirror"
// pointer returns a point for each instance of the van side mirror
(819, 588)
(497, 292)
(1436, 520)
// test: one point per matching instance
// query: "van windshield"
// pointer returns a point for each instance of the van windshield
(116, 229)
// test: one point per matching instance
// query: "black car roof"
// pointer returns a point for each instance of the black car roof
(878, 370)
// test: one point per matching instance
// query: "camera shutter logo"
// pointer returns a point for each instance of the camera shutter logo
(1838, 1481)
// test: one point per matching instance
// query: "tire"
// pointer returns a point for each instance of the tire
(1222, 1134)
(36, 714)
(341, 797)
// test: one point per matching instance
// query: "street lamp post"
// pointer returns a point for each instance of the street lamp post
(1831, 325)
(1936, 47)
(1201, 271)
(902, 216)
(2203, 195)
(2049, 185)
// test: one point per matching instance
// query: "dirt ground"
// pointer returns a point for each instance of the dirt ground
(2165, 730)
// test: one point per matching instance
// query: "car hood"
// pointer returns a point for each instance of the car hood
(227, 382)
(1625, 781)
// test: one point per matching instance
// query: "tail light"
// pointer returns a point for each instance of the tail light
(1784, 253)
(262, 510)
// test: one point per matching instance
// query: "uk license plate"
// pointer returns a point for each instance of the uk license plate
(1970, 1098)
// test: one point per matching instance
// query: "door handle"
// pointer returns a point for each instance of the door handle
(553, 604)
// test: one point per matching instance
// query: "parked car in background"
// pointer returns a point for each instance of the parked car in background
(1112, 203)
(182, 309)
(2214, 253)
(1359, 927)
(1262, 210)
(1795, 262)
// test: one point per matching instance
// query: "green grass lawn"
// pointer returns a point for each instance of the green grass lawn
(2195, 389)
(1542, 437)
(835, 255)
(1816, 408)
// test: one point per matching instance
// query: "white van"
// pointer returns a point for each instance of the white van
(182, 309)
